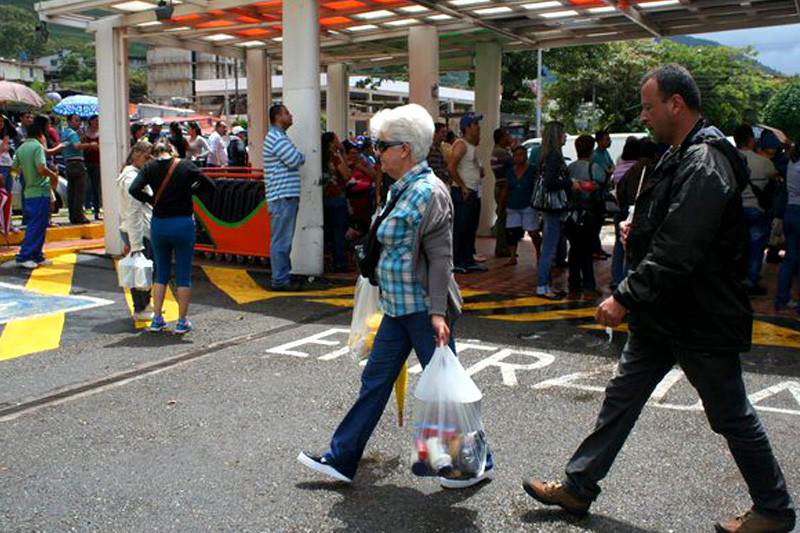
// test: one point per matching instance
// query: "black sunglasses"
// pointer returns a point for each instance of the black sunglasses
(382, 146)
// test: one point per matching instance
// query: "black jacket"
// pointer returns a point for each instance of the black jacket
(688, 249)
(176, 200)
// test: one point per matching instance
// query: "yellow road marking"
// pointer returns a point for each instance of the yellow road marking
(529, 301)
(558, 314)
(466, 293)
(338, 302)
(622, 328)
(26, 336)
(240, 286)
(767, 334)
(169, 309)
(764, 334)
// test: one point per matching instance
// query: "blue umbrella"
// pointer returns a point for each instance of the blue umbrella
(82, 105)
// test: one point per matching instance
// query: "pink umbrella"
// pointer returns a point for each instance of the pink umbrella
(16, 93)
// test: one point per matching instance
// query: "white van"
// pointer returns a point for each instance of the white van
(617, 144)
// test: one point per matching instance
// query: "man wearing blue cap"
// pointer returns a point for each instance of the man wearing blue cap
(466, 174)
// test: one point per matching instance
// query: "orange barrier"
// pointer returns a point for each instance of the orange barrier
(247, 237)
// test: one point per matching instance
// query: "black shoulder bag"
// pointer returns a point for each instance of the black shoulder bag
(369, 251)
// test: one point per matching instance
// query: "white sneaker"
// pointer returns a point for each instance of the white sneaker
(488, 474)
(28, 264)
(319, 464)
(45, 263)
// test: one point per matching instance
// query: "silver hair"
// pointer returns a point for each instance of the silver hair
(410, 123)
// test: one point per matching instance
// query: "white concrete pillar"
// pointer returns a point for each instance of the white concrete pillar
(337, 101)
(259, 98)
(488, 90)
(423, 68)
(111, 50)
(301, 95)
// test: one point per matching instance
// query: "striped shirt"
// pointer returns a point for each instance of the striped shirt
(282, 162)
(401, 293)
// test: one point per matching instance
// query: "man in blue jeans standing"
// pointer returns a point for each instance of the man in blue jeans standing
(282, 162)
(30, 159)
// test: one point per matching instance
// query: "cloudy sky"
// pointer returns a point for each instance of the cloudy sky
(778, 46)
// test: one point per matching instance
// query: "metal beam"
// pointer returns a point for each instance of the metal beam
(635, 17)
(73, 21)
(60, 7)
(476, 20)
(197, 46)
(181, 10)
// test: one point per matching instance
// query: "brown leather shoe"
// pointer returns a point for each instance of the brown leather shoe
(554, 493)
(754, 522)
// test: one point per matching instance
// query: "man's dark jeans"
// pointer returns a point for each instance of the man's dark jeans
(718, 380)
(76, 190)
(466, 215)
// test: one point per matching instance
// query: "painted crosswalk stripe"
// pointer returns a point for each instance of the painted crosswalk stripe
(23, 337)
(242, 288)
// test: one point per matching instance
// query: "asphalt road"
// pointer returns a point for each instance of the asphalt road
(122, 431)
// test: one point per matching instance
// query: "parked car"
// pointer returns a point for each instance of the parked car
(61, 196)
(617, 144)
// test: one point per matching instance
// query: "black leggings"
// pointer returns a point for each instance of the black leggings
(514, 235)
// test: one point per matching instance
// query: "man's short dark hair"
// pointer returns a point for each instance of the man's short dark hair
(674, 79)
(274, 111)
(743, 134)
(217, 125)
(584, 145)
(438, 126)
(69, 117)
(599, 135)
(38, 127)
(499, 133)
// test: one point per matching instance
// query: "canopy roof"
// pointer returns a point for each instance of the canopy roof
(373, 32)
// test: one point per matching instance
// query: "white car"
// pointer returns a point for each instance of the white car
(16, 195)
(617, 144)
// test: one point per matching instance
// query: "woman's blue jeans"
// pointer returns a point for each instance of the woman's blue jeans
(393, 343)
(552, 234)
(791, 228)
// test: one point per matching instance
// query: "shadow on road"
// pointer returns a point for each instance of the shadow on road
(369, 507)
(593, 522)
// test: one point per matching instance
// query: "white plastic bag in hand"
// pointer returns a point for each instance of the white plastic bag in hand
(367, 316)
(135, 271)
(449, 439)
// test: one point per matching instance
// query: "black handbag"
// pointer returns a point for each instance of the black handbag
(368, 253)
(548, 201)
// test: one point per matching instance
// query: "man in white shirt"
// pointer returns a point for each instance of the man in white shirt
(218, 148)
(762, 172)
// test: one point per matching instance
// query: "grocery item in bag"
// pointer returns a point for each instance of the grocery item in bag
(449, 439)
(135, 272)
(367, 317)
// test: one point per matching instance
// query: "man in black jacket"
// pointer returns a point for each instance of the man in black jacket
(687, 250)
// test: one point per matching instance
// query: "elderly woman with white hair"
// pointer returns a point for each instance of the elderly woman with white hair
(419, 295)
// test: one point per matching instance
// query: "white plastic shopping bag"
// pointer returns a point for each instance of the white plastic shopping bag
(367, 316)
(449, 439)
(135, 271)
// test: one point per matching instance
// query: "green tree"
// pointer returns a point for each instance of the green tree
(18, 33)
(598, 86)
(783, 109)
(137, 84)
(734, 90)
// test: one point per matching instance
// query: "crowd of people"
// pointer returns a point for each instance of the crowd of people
(693, 217)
